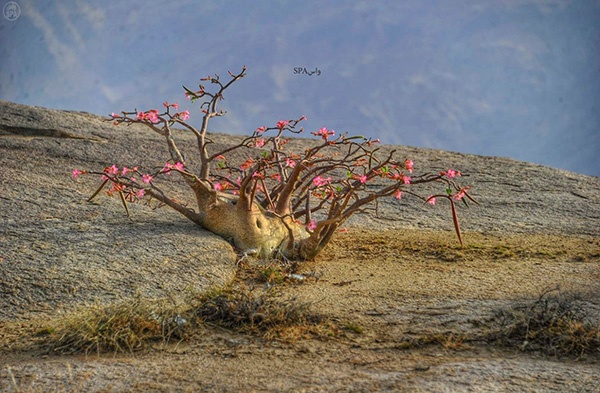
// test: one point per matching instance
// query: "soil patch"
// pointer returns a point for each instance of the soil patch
(411, 312)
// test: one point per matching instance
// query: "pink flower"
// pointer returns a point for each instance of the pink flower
(114, 115)
(312, 225)
(451, 173)
(320, 181)
(176, 106)
(140, 115)
(167, 168)
(76, 173)
(146, 178)
(179, 166)
(431, 200)
(218, 186)
(324, 133)
(260, 142)
(362, 178)
(152, 116)
(184, 115)
(262, 129)
(125, 170)
(166, 104)
(408, 164)
(281, 124)
(290, 163)
(398, 194)
(140, 194)
(112, 170)
(460, 195)
(406, 179)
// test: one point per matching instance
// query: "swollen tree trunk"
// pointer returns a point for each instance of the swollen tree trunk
(246, 225)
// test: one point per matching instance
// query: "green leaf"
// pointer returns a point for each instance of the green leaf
(189, 91)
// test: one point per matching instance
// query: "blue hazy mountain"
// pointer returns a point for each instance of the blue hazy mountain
(515, 78)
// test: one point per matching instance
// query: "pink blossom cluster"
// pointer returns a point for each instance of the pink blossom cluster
(151, 116)
(319, 181)
(324, 133)
(451, 173)
(178, 166)
(289, 162)
(259, 142)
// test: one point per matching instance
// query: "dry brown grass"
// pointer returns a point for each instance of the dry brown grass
(264, 312)
(125, 327)
(557, 324)
(133, 325)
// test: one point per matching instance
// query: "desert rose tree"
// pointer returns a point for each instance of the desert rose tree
(277, 202)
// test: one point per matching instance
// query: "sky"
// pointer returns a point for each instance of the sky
(510, 78)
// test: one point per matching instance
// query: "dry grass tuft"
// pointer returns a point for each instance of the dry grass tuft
(131, 326)
(125, 327)
(556, 324)
(264, 312)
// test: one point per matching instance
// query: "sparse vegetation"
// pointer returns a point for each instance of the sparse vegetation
(273, 275)
(131, 326)
(263, 312)
(419, 305)
(125, 327)
(354, 328)
(556, 324)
